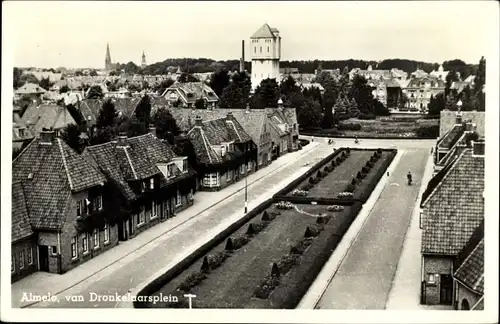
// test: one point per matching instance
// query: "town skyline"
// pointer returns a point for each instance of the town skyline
(443, 32)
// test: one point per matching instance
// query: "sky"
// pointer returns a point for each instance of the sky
(74, 34)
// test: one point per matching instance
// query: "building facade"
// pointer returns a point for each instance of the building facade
(265, 52)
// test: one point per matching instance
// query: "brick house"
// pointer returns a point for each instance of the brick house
(224, 152)
(187, 93)
(24, 245)
(60, 187)
(452, 208)
(151, 182)
(469, 276)
(284, 129)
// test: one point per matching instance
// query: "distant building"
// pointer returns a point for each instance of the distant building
(265, 53)
(143, 60)
(186, 94)
(108, 65)
(419, 91)
(440, 73)
(29, 89)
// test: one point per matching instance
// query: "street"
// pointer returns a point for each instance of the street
(364, 278)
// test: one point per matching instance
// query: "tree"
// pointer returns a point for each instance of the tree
(379, 109)
(288, 87)
(219, 80)
(64, 89)
(309, 115)
(78, 73)
(402, 100)
(95, 92)
(362, 93)
(107, 115)
(165, 124)
(436, 104)
(341, 109)
(450, 102)
(45, 83)
(450, 78)
(165, 84)
(72, 135)
(185, 78)
(479, 83)
(134, 87)
(199, 103)
(353, 110)
(266, 94)
(114, 73)
(143, 111)
(93, 73)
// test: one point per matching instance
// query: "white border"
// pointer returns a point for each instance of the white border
(271, 316)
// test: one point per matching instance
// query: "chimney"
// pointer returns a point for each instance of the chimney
(229, 116)
(122, 140)
(47, 137)
(152, 130)
(478, 149)
(242, 59)
(198, 121)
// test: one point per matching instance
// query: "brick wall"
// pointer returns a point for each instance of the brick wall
(465, 293)
(69, 231)
(448, 120)
(49, 239)
(24, 246)
(435, 265)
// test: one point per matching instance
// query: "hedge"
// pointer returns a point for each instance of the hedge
(295, 284)
(177, 269)
(380, 171)
(349, 127)
(427, 131)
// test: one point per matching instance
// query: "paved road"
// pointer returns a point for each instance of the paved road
(365, 276)
(376, 143)
(134, 269)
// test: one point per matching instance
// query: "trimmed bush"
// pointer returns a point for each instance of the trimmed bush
(313, 230)
(334, 164)
(427, 131)
(311, 180)
(358, 176)
(335, 208)
(266, 287)
(365, 170)
(267, 217)
(287, 262)
(348, 150)
(353, 181)
(192, 281)
(284, 205)
(338, 161)
(326, 169)
(319, 174)
(213, 261)
(301, 246)
(379, 151)
(239, 241)
(366, 116)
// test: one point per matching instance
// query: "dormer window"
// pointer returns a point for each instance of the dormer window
(21, 132)
(170, 170)
(223, 150)
(185, 165)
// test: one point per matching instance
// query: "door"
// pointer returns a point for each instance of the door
(446, 290)
(121, 232)
(43, 253)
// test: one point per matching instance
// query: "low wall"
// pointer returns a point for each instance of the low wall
(363, 137)
(159, 282)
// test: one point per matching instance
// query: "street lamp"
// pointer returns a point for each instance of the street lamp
(459, 105)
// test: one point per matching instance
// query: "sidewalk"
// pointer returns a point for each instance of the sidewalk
(126, 253)
(405, 291)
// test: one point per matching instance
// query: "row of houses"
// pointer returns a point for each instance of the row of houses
(452, 218)
(64, 205)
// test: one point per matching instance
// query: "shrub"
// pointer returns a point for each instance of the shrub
(353, 181)
(287, 262)
(311, 180)
(319, 174)
(338, 161)
(255, 228)
(335, 208)
(348, 150)
(350, 188)
(364, 170)
(379, 151)
(326, 169)
(267, 217)
(313, 230)
(358, 176)
(239, 241)
(306, 187)
(213, 261)
(192, 281)
(333, 164)
(267, 286)
(284, 205)
(301, 246)
(344, 155)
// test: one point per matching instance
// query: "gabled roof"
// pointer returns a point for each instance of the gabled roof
(135, 162)
(21, 227)
(90, 109)
(50, 173)
(471, 272)
(454, 207)
(264, 32)
(192, 91)
(434, 82)
(126, 106)
(30, 88)
(215, 132)
(37, 117)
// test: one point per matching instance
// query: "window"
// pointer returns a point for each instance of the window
(140, 217)
(255, 49)
(53, 250)
(82, 207)
(21, 132)
(261, 49)
(154, 209)
(97, 202)
(432, 278)
(30, 255)
(170, 170)
(185, 165)
(96, 238)
(178, 200)
(74, 246)
(268, 49)
(211, 180)
(106, 233)
(21, 259)
(13, 263)
(151, 183)
(85, 243)
(242, 168)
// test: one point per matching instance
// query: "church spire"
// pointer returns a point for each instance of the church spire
(143, 61)
(107, 60)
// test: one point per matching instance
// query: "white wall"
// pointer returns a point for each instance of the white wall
(263, 69)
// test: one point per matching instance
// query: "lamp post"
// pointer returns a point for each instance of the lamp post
(246, 172)
(459, 105)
